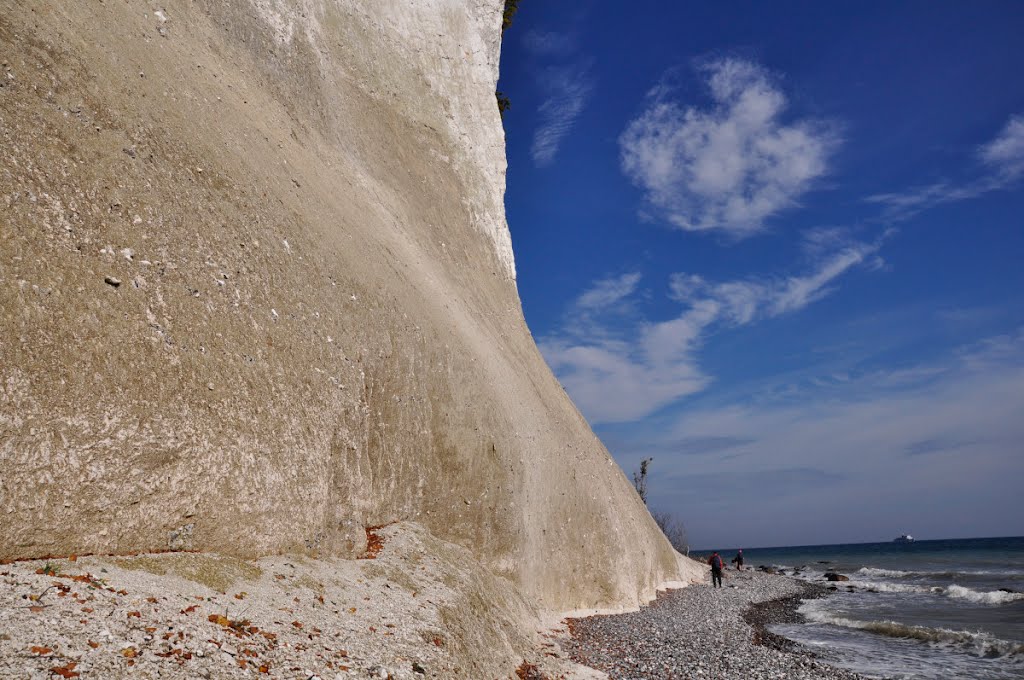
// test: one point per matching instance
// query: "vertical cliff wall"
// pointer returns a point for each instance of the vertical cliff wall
(257, 293)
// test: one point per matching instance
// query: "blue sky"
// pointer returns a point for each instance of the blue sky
(779, 247)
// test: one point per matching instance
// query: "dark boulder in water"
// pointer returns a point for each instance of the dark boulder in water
(833, 576)
(768, 570)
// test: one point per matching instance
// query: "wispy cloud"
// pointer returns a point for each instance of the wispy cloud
(868, 442)
(905, 204)
(621, 372)
(565, 86)
(607, 304)
(1002, 164)
(729, 167)
(566, 89)
(608, 292)
(740, 302)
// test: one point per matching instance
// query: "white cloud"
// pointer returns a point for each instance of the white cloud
(608, 292)
(799, 291)
(741, 302)
(610, 385)
(1006, 151)
(566, 91)
(730, 167)
(565, 83)
(1003, 158)
(618, 369)
(606, 305)
(598, 361)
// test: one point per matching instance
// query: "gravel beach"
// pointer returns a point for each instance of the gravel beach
(704, 632)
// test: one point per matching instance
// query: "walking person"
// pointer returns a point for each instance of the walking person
(716, 569)
(738, 560)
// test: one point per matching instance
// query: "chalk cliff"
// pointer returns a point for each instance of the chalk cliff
(257, 293)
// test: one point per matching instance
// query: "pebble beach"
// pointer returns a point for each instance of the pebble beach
(704, 632)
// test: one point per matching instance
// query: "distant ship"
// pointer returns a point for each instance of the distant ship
(905, 538)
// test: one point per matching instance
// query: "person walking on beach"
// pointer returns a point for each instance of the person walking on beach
(716, 569)
(738, 560)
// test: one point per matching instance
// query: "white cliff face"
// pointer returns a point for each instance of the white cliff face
(257, 293)
(452, 47)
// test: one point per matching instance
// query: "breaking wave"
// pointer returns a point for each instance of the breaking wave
(990, 597)
(883, 587)
(877, 572)
(890, 573)
(979, 644)
(994, 597)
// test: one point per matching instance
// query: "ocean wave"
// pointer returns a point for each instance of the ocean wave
(989, 597)
(954, 591)
(979, 644)
(884, 587)
(876, 571)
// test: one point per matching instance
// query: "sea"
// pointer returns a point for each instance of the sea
(929, 609)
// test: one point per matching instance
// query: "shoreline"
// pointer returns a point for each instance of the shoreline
(702, 631)
(760, 615)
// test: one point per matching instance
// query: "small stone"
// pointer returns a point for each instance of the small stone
(110, 280)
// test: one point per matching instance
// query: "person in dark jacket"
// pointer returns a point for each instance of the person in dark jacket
(716, 569)
(738, 560)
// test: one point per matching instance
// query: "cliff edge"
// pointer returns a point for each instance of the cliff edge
(257, 294)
